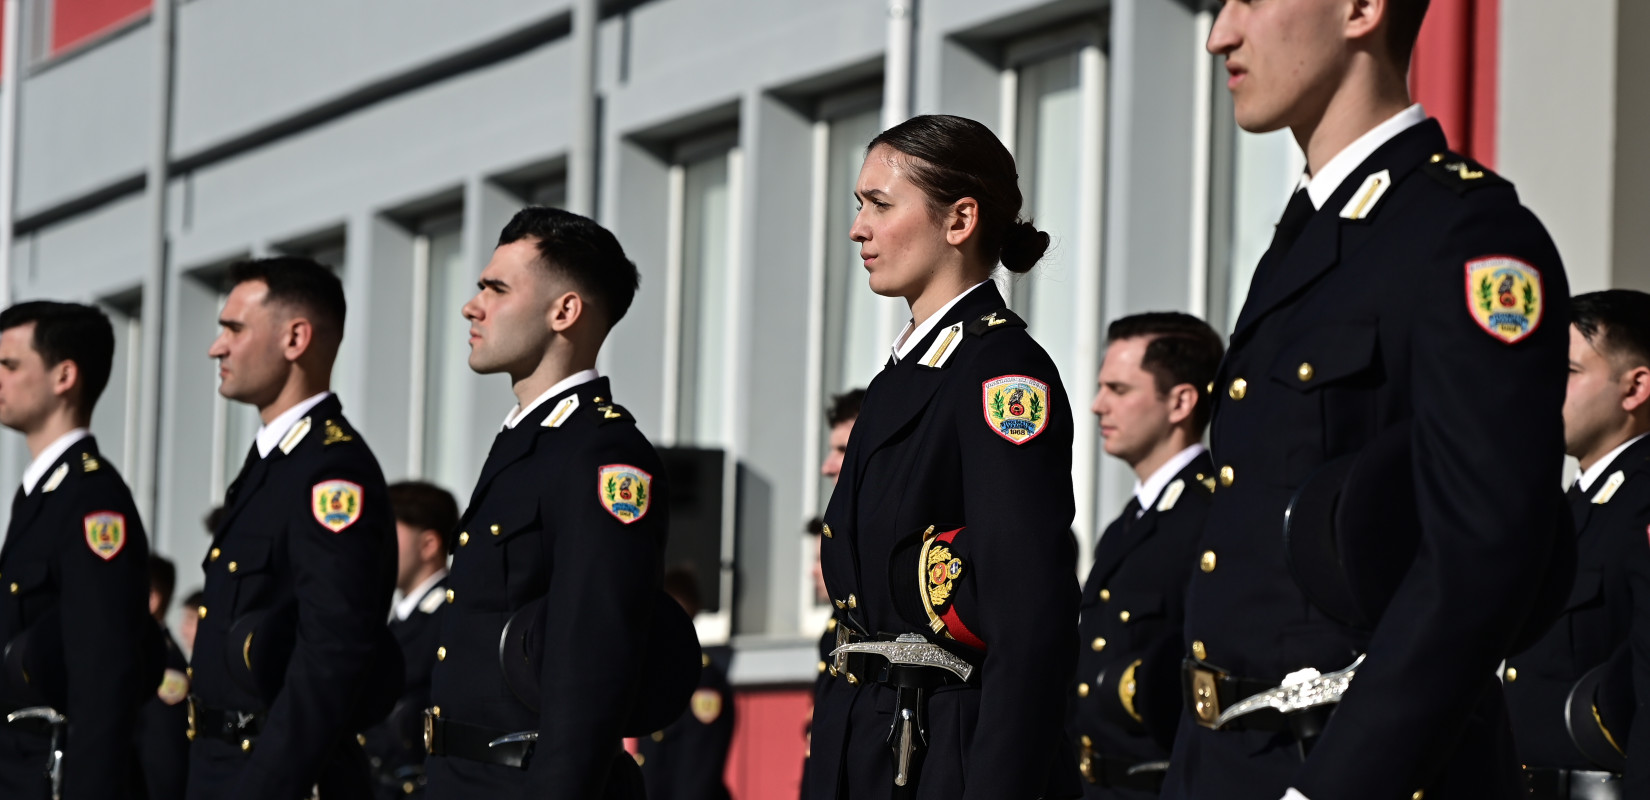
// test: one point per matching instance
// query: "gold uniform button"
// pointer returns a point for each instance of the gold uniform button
(640, 759)
(463, 538)
(830, 625)
(1417, 795)
(1198, 651)
(246, 745)
(1512, 674)
(1305, 372)
(451, 595)
(822, 667)
(441, 654)
(494, 529)
(213, 556)
(853, 602)
(435, 711)
(361, 739)
(201, 612)
(840, 604)
(1227, 476)
(1123, 615)
(827, 531)
(1098, 644)
(1238, 389)
(189, 671)
(14, 588)
(1082, 690)
(1207, 562)
(852, 680)
(658, 736)
(1087, 742)
(704, 660)
(233, 566)
(408, 787)
(1105, 595)
(832, 670)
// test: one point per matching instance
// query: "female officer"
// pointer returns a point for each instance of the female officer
(948, 528)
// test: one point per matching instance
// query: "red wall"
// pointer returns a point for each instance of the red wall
(1453, 73)
(75, 21)
(765, 762)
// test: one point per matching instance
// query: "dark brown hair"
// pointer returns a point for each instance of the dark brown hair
(1183, 349)
(1616, 322)
(955, 157)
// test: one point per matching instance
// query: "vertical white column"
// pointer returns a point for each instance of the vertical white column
(153, 312)
(581, 151)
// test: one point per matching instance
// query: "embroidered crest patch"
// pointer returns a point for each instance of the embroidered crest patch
(106, 533)
(336, 504)
(943, 571)
(174, 687)
(1505, 297)
(624, 491)
(706, 705)
(1016, 407)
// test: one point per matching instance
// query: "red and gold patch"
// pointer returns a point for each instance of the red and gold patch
(336, 504)
(706, 705)
(106, 533)
(624, 491)
(1505, 297)
(1016, 407)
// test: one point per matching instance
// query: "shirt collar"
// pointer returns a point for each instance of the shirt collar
(1319, 187)
(909, 336)
(49, 456)
(517, 413)
(1147, 492)
(408, 604)
(1591, 475)
(271, 434)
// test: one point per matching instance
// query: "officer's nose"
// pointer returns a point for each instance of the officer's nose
(1223, 35)
(471, 310)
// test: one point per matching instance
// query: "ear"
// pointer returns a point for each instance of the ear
(64, 376)
(429, 545)
(1365, 17)
(961, 220)
(1635, 387)
(565, 311)
(1182, 401)
(296, 338)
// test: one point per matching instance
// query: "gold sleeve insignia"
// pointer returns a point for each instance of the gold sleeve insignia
(706, 705)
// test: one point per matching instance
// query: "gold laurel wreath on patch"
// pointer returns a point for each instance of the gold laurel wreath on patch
(942, 570)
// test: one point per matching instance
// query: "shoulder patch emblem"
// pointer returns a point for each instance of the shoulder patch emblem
(1505, 297)
(561, 412)
(334, 434)
(706, 705)
(1611, 484)
(106, 533)
(1171, 495)
(56, 478)
(174, 687)
(1016, 407)
(624, 491)
(336, 504)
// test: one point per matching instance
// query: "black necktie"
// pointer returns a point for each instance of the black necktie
(1131, 512)
(1295, 216)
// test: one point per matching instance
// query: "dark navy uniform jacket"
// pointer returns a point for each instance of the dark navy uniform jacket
(1444, 306)
(306, 527)
(1126, 702)
(76, 553)
(1611, 521)
(544, 522)
(395, 747)
(688, 759)
(970, 431)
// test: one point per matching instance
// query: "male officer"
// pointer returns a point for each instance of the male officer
(75, 564)
(686, 759)
(164, 721)
(1606, 419)
(1153, 407)
(1410, 311)
(425, 515)
(301, 568)
(565, 516)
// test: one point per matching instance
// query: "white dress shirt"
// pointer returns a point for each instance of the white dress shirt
(409, 603)
(48, 457)
(909, 336)
(271, 435)
(1330, 177)
(1591, 475)
(517, 413)
(1148, 491)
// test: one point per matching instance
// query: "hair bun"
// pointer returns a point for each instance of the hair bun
(1023, 246)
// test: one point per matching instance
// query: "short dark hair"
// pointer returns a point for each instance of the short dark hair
(1183, 349)
(815, 527)
(956, 157)
(1403, 28)
(163, 579)
(69, 332)
(582, 251)
(194, 599)
(424, 506)
(1616, 322)
(680, 583)
(302, 284)
(844, 407)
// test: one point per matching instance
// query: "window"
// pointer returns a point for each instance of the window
(701, 291)
(443, 439)
(76, 21)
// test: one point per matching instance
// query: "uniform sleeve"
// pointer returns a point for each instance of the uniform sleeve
(342, 589)
(606, 574)
(1487, 447)
(1018, 507)
(705, 757)
(104, 602)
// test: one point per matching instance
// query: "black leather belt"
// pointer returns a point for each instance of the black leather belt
(1572, 784)
(1121, 773)
(227, 725)
(1210, 690)
(444, 737)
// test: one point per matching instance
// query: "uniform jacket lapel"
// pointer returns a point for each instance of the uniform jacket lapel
(514, 444)
(1328, 235)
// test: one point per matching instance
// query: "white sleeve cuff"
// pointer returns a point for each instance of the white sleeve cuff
(1293, 794)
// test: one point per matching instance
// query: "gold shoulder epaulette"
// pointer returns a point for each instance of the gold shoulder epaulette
(1461, 174)
(89, 464)
(997, 320)
(333, 433)
(606, 411)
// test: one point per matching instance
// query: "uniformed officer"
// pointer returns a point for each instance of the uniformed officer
(839, 417)
(75, 564)
(947, 550)
(163, 723)
(425, 515)
(1606, 419)
(1409, 313)
(687, 759)
(289, 656)
(567, 516)
(1153, 407)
